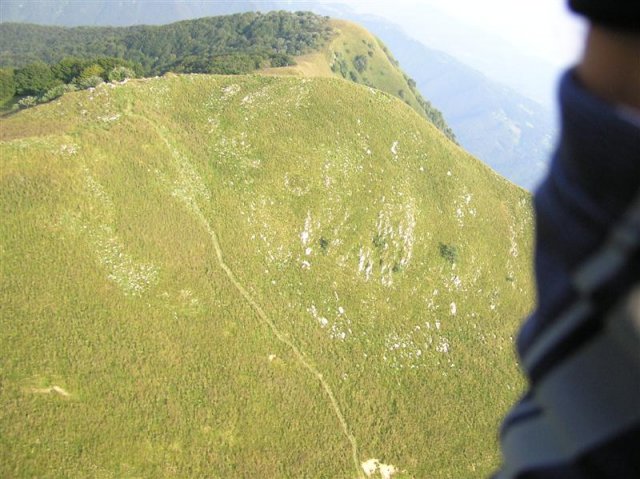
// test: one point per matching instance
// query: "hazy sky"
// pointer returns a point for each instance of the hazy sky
(542, 28)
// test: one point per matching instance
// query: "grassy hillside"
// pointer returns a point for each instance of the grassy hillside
(356, 55)
(252, 276)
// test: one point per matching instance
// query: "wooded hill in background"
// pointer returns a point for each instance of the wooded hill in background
(171, 47)
(232, 44)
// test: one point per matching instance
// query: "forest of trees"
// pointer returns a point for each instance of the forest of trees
(230, 44)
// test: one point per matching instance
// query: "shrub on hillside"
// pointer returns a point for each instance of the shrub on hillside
(89, 82)
(93, 70)
(120, 74)
(360, 62)
(27, 101)
(53, 93)
(69, 87)
(449, 252)
(68, 69)
(7, 84)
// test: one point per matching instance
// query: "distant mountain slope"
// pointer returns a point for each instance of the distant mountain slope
(252, 276)
(73, 13)
(511, 133)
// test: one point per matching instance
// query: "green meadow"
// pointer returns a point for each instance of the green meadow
(253, 276)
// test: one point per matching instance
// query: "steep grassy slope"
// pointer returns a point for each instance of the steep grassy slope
(252, 277)
(356, 55)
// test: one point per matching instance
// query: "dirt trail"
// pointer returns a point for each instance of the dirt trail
(194, 207)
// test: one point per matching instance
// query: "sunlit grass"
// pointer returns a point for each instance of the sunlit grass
(330, 202)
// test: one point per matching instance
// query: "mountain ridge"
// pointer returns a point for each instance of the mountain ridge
(238, 43)
(354, 54)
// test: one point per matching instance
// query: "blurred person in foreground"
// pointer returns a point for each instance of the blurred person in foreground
(581, 347)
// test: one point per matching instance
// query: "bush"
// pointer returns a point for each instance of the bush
(68, 69)
(7, 84)
(90, 82)
(360, 63)
(93, 70)
(233, 64)
(449, 252)
(340, 65)
(324, 244)
(28, 101)
(53, 93)
(34, 79)
(120, 74)
(281, 60)
(379, 242)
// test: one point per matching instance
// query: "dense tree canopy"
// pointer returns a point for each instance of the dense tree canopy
(7, 84)
(34, 79)
(41, 61)
(231, 44)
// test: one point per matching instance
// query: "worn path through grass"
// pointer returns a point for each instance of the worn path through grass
(193, 206)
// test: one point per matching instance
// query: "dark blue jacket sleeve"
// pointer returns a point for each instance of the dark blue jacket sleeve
(594, 177)
(580, 349)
